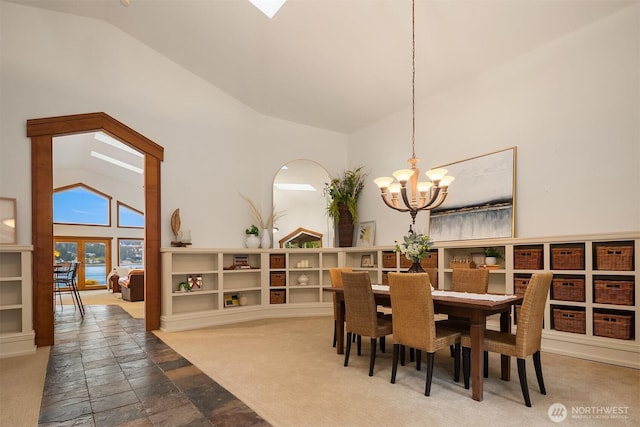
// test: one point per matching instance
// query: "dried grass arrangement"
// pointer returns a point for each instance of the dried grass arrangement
(262, 222)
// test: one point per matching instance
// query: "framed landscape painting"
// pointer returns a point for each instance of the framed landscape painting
(481, 200)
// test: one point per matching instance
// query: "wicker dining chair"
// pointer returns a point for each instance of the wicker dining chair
(336, 282)
(527, 339)
(361, 315)
(414, 323)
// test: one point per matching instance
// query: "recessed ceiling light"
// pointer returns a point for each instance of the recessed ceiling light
(268, 7)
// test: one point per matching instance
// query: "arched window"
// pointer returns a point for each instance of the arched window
(81, 205)
(129, 217)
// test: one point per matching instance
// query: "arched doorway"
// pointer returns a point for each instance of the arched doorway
(42, 131)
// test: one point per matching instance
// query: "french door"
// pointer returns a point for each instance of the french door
(94, 255)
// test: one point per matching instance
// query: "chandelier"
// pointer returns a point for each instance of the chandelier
(424, 195)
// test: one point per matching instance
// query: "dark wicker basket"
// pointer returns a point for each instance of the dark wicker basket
(568, 289)
(618, 292)
(520, 285)
(277, 297)
(569, 321)
(614, 258)
(527, 259)
(612, 325)
(567, 258)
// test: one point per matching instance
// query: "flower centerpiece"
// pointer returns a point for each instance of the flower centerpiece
(415, 247)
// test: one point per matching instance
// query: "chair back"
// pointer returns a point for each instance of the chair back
(336, 275)
(360, 306)
(413, 314)
(472, 280)
(530, 318)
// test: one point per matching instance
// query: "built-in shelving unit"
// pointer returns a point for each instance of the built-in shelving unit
(586, 290)
(16, 327)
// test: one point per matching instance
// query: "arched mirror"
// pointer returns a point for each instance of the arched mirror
(298, 194)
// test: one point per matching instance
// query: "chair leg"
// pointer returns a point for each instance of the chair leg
(335, 337)
(383, 344)
(452, 351)
(412, 353)
(485, 365)
(466, 365)
(359, 341)
(427, 387)
(394, 367)
(522, 373)
(456, 362)
(402, 351)
(418, 359)
(347, 350)
(538, 366)
(372, 360)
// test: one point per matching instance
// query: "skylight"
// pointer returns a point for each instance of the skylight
(295, 187)
(103, 137)
(116, 162)
(268, 7)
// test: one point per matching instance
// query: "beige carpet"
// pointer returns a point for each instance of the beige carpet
(287, 371)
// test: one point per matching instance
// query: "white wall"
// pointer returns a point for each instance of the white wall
(54, 64)
(571, 107)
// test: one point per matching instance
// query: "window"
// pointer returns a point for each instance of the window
(131, 253)
(129, 217)
(81, 205)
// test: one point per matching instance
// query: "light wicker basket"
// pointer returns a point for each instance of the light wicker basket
(614, 258)
(567, 258)
(527, 259)
(618, 292)
(568, 289)
(569, 321)
(612, 325)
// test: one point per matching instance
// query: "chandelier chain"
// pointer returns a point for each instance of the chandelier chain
(413, 79)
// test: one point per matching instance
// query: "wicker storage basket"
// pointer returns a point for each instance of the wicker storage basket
(612, 325)
(614, 258)
(389, 259)
(430, 261)
(385, 278)
(276, 261)
(568, 289)
(618, 292)
(567, 258)
(527, 259)
(520, 285)
(405, 262)
(569, 321)
(278, 279)
(277, 297)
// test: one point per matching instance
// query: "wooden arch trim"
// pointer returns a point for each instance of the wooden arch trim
(42, 131)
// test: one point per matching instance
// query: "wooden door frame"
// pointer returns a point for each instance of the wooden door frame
(42, 131)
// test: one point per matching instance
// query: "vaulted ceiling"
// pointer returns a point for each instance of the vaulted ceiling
(339, 64)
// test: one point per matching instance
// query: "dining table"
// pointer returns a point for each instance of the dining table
(475, 307)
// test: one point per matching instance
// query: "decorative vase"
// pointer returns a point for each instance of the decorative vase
(345, 227)
(303, 280)
(416, 267)
(265, 240)
(243, 300)
(252, 241)
(491, 260)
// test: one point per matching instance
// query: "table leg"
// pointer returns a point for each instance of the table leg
(477, 327)
(505, 361)
(340, 324)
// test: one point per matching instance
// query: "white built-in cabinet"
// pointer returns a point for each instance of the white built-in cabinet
(272, 286)
(17, 336)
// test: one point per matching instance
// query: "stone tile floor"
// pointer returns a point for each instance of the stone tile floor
(105, 370)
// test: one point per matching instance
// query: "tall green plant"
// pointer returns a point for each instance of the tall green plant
(345, 189)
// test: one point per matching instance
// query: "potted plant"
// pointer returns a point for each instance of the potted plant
(492, 255)
(343, 193)
(252, 240)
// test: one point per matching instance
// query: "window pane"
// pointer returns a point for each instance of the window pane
(130, 252)
(129, 218)
(95, 268)
(80, 206)
(65, 251)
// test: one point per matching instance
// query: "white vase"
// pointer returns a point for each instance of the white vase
(303, 280)
(252, 241)
(265, 241)
(491, 260)
(243, 300)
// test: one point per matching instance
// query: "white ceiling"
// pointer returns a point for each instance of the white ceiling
(339, 64)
